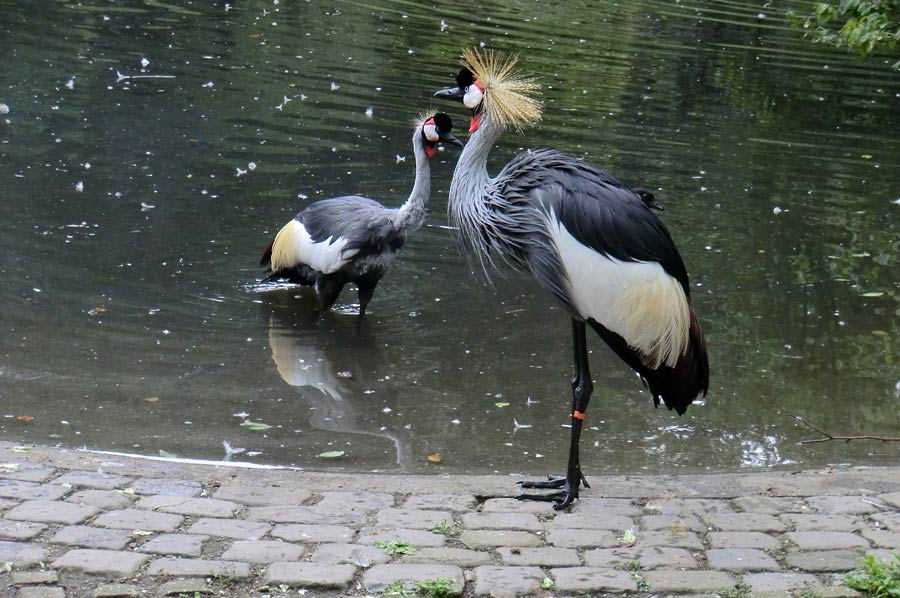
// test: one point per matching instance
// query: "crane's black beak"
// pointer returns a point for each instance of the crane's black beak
(654, 204)
(450, 92)
(448, 138)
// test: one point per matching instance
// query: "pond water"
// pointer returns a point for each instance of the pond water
(151, 151)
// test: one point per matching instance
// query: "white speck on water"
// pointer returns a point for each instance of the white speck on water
(242, 414)
(456, 422)
(208, 84)
(79, 186)
(302, 196)
(153, 311)
(166, 332)
(87, 165)
(240, 171)
(776, 210)
(37, 290)
(761, 15)
(144, 61)
(386, 410)
(71, 83)
(369, 112)
(4, 109)
(443, 25)
(251, 166)
(896, 202)
(400, 158)
(518, 425)
(146, 206)
(334, 86)
(410, 51)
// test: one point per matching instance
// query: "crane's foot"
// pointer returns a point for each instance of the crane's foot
(567, 494)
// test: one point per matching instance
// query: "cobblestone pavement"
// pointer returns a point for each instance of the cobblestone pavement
(84, 524)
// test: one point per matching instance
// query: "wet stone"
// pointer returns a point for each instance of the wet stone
(262, 496)
(892, 498)
(590, 579)
(23, 578)
(744, 522)
(651, 557)
(544, 556)
(812, 522)
(184, 587)
(356, 501)
(316, 514)
(784, 581)
(21, 554)
(675, 523)
(416, 537)
(826, 540)
(116, 590)
(494, 538)
(821, 561)
(380, 577)
(662, 581)
(351, 554)
(92, 537)
(512, 505)
(175, 544)
(51, 511)
(770, 505)
(101, 562)
(198, 568)
(740, 559)
(92, 479)
(889, 520)
(456, 503)
(263, 551)
(20, 530)
(607, 506)
(512, 581)
(41, 592)
(167, 486)
(316, 534)
(30, 490)
(311, 575)
(843, 505)
(185, 505)
(674, 539)
(688, 506)
(27, 472)
(513, 521)
(461, 557)
(102, 499)
(574, 538)
(585, 520)
(880, 538)
(412, 518)
(742, 540)
(228, 528)
(139, 519)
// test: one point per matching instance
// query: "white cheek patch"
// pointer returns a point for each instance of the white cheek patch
(430, 132)
(473, 96)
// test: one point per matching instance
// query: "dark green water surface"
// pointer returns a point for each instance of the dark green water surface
(152, 149)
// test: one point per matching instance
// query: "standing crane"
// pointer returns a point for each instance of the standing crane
(351, 238)
(594, 243)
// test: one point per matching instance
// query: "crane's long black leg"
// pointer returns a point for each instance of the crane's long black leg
(582, 387)
(366, 287)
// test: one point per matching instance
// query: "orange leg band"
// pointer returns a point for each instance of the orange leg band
(578, 415)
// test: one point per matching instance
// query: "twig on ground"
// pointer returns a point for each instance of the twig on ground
(829, 437)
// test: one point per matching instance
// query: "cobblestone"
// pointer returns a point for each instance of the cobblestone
(380, 577)
(541, 556)
(350, 554)
(836, 505)
(102, 499)
(264, 496)
(263, 551)
(30, 490)
(198, 568)
(175, 544)
(651, 557)
(745, 522)
(299, 532)
(826, 540)
(139, 519)
(120, 590)
(41, 592)
(20, 530)
(508, 581)
(742, 540)
(227, 528)
(456, 503)
(662, 581)
(824, 560)
(316, 514)
(21, 554)
(185, 505)
(579, 538)
(51, 511)
(741, 559)
(494, 538)
(92, 479)
(101, 562)
(92, 537)
(416, 537)
(812, 522)
(461, 557)
(311, 575)
(412, 518)
(167, 486)
(589, 579)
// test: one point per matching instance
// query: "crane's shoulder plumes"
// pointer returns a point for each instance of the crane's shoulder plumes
(507, 93)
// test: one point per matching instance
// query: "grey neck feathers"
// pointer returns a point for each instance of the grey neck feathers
(467, 208)
(411, 214)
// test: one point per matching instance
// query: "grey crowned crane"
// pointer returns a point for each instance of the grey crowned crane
(351, 238)
(594, 243)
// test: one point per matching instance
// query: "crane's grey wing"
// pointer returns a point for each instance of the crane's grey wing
(596, 208)
(364, 225)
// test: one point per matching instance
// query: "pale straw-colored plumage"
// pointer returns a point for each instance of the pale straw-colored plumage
(507, 96)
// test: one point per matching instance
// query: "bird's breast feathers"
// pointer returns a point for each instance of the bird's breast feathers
(637, 300)
(294, 246)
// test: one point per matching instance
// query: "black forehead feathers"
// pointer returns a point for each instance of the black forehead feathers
(464, 78)
(443, 122)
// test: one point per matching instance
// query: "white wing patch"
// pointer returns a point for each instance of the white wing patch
(293, 246)
(638, 301)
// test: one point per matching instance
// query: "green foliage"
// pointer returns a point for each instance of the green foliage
(861, 25)
(741, 590)
(446, 529)
(396, 590)
(877, 578)
(437, 588)
(395, 547)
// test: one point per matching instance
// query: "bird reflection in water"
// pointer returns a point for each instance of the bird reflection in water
(332, 360)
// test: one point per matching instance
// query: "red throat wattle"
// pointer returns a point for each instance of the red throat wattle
(475, 123)
(429, 150)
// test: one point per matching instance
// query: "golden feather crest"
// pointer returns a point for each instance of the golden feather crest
(507, 96)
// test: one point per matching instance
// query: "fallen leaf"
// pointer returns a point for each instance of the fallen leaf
(331, 454)
(152, 399)
(502, 405)
(96, 310)
(255, 426)
(22, 448)
(435, 458)
(25, 418)
(140, 532)
(873, 294)
(167, 454)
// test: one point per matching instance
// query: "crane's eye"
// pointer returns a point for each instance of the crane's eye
(429, 130)
(473, 96)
